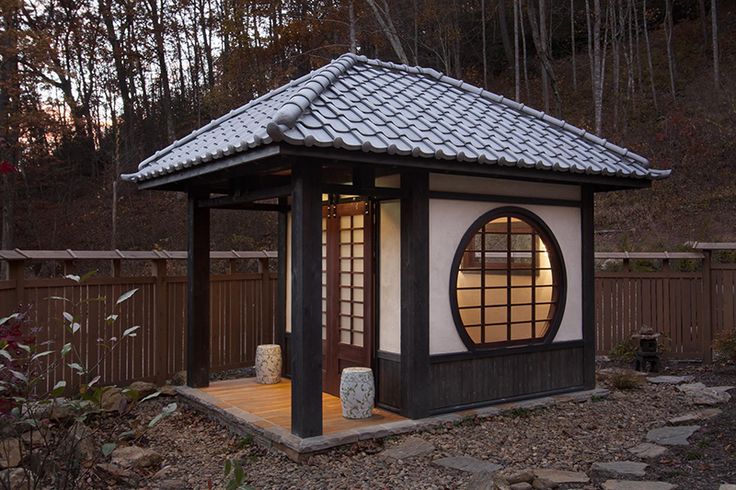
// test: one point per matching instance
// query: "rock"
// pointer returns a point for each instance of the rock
(411, 447)
(691, 387)
(467, 463)
(16, 478)
(636, 485)
(120, 475)
(560, 476)
(672, 436)
(486, 481)
(544, 484)
(710, 397)
(179, 379)
(80, 443)
(647, 450)
(135, 457)
(695, 416)
(143, 388)
(669, 380)
(608, 372)
(619, 468)
(33, 439)
(727, 486)
(167, 390)
(113, 400)
(10, 452)
(521, 486)
(172, 484)
(524, 476)
(164, 473)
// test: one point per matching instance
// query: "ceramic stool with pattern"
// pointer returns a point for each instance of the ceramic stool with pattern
(268, 364)
(357, 392)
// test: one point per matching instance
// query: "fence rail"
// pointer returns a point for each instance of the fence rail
(689, 308)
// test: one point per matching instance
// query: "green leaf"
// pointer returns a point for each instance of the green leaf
(126, 296)
(94, 381)
(151, 396)
(75, 327)
(59, 298)
(24, 347)
(155, 420)
(130, 332)
(73, 277)
(111, 318)
(66, 349)
(6, 354)
(76, 366)
(41, 354)
(19, 375)
(108, 448)
(58, 388)
(169, 409)
(68, 317)
(7, 318)
(88, 275)
(228, 467)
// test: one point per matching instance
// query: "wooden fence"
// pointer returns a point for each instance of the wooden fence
(688, 308)
(242, 313)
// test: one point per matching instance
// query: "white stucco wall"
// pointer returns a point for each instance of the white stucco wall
(449, 220)
(389, 287)
(502, 187)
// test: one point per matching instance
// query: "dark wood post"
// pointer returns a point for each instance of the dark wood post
(266, 334)
(306, 302)
(17, 274)
(587, 231)
(161, 324)
(198, 291)
(707, 326)
(415, 368)
(281, 286)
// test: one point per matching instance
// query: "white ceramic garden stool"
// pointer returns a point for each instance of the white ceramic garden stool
(357, 392)
(268, 364)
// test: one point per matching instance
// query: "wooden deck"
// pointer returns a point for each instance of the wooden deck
(273, 404)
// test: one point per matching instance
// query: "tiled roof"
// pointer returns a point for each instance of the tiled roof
(359, 104)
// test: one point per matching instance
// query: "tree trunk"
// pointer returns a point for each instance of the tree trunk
(524, 51)
(649, 55)
(703, 24)
(670, 54)
(714, 28)
(504, 29)
(572, 46)
(538, 26)
(157, 20)
(517, 78)
(596, 56)
(351, 16)
(483, 41)
(383, 17)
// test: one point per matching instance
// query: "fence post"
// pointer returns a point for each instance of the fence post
(16, 273)
(707, 326)
(161, 320)
(266, 330)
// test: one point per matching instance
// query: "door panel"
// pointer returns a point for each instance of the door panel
(348, 290)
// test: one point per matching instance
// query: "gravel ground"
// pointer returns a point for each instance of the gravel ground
(568, 436)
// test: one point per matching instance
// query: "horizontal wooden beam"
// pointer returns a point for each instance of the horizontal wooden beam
(18, 254)
(255, 206)
(376, 192)
(712, 245)
(245, 197)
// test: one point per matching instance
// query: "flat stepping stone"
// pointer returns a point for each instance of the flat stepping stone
(410, 448)
(672, 436)
(467, 463)
(695, 416)
(636, 485)
(669, 380)
(560, 476)
(647, 450)
(691, 387)
(727, 486)
(619, 469)
(710, 397)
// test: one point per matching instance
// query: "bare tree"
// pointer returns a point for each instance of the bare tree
(649, 54)
(538, 24)
(572, 46)
(703, 23)
(483, 41)
(714, 28)
(156, 13)
(383, 17)
(517, 80)
(351, 20)
(504, 30)
(670, 54)
(597, 56)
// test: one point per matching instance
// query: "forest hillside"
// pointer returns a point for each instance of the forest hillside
(90, 88)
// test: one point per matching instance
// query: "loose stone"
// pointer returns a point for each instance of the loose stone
(636, 485)
(411, 447)
(695, 416)
(619, 468)
(669, 380)
(647, 450)
(672, 436)
(467, 463)
(560, 476)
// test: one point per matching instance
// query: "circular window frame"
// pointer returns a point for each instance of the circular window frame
(548, 237)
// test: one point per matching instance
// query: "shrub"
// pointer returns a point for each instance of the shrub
(624, 351)
(625, 381)
(725, 345)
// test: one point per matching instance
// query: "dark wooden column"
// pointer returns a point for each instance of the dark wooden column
(415, 375)
(198, 293)
(282, 270)
(588, 269)
(306, 301)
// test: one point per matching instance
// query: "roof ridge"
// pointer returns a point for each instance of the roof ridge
(488, 95)
(319, 81)
(216, 122)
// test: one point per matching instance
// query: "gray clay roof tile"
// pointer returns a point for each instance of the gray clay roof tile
(359, 104)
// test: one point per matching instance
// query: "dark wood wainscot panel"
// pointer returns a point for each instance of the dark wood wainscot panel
(476, 379)
(388, 379)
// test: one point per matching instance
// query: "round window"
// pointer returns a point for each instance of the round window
(507, 285)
